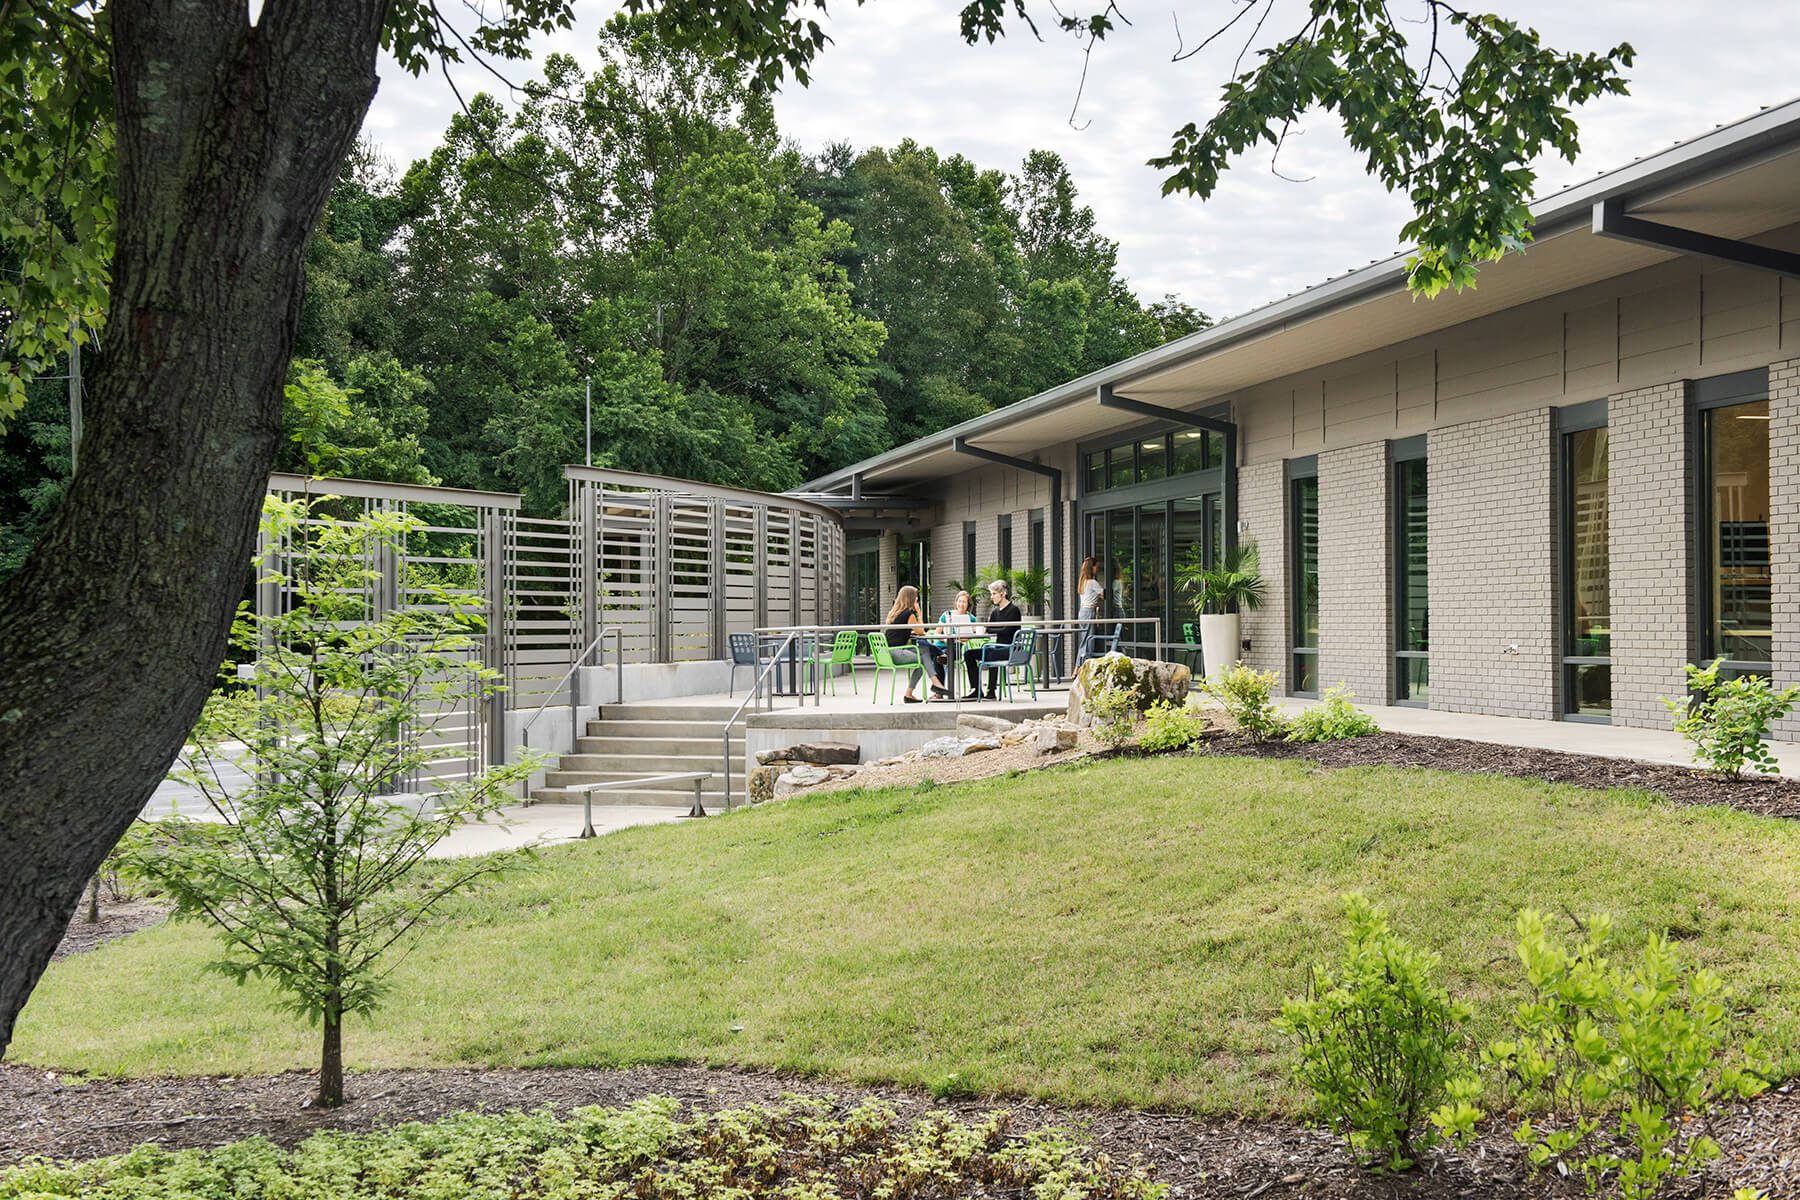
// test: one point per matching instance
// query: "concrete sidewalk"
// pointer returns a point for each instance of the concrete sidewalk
(1573, 737)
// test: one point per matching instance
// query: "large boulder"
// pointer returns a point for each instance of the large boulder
(762, 784)
(1149, 682)
(822, 754)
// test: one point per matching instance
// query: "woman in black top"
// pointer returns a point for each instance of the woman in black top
(904, 622)
(1004, 618)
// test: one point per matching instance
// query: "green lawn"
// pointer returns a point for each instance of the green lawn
(1117, 932)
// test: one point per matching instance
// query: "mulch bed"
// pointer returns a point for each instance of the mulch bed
(1764, 795)
(117, 918)
(66, 1117)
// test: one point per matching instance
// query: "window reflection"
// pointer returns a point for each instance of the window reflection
(1736, 490)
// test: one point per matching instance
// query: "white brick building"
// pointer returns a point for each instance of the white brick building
(1538, 498)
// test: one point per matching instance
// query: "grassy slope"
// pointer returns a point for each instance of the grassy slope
(1116, 932)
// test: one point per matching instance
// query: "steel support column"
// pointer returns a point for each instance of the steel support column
(1227, 429)
(1612, 221)
(1054, 475)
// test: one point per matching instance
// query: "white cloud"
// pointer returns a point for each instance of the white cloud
(899, 69)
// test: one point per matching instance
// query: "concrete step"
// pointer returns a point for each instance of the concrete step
(667, 712)
(660, 729)
(642, 764)
(649, 797)
(606, 742)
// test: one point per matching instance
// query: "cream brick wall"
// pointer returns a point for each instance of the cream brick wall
(888, 567)
(1784, 526)
(1492, 566)
(1262, 506)
(1355, 644)
(1649, 533)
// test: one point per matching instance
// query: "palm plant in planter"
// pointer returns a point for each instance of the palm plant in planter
(1030, 586)
(1221, 591)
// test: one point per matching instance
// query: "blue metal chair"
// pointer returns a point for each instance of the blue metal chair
(1099, 643)
(743, 654)
(1020, 656)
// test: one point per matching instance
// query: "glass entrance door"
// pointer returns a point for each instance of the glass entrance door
(1141, 549)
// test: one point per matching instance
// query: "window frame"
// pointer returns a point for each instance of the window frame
(1570, 421)
(1705, 396)
(1402, 455)
(1300, 471)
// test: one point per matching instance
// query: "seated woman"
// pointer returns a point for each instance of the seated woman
(1004, 617)
(959, 619)
(904, 621)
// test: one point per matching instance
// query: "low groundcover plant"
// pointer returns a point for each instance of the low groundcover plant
(799, 1149)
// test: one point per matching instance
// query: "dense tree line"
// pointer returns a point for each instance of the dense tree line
(747, 313)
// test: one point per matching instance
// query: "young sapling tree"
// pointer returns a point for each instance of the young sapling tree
(309, 869)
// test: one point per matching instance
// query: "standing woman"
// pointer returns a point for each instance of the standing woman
(904, 620)
(1090, 593)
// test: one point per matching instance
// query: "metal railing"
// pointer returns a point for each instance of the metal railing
(756, 692)
(1069, 628)
(572, 677)
(587, 791)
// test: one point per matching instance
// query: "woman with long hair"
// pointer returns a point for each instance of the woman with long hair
(1089, 592)
(904, 623)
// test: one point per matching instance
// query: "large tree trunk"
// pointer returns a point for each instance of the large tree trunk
(111, 634)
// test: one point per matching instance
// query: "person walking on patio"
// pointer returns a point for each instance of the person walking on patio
(904, 621)
(1091, 593)
(1003, 626)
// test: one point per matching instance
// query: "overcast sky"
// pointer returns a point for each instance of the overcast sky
(898, 69)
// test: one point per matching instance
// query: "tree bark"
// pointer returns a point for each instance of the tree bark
(230, 135)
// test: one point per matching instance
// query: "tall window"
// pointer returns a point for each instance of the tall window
(1006, 559)
(1303, 532)
(970, 566)
(1587, 575)
(1412, 584)
(1037, 539)
(1737, 592)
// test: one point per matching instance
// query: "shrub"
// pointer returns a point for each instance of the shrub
(1334, 720)
(1380, 1046)
(797, 1149)
(1647, 1043)
(1727, 720)
(1246, 694)
(1169, 726)
(1114, 708)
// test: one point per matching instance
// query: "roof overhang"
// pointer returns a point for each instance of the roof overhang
(1741, 181)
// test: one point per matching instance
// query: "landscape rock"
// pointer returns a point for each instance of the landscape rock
(818, 753)
(1054, 739)
(762, 783)
(1150, 681)
(955, 747)
(804, 776)
(983, 723)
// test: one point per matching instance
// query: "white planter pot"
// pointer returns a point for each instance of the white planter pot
(1220, 637)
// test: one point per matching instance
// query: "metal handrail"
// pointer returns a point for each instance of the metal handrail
(587, 791)
(573, 678)
(755, 694)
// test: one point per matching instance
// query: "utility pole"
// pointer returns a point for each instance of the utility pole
(589, 439)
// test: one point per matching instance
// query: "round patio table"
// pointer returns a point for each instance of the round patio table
(953, 640)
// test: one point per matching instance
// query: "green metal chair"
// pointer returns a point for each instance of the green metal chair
(843, 654)
(883, 655)
(1190, 648)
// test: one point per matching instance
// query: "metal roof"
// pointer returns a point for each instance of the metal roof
(1765, 135)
